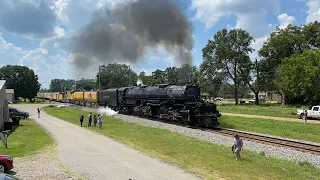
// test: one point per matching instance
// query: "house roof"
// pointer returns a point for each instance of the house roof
(10, 91)
(2, 83)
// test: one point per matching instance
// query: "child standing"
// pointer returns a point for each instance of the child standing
(100, 121)
(238, 144)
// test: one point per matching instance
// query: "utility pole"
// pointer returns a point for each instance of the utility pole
(129, 77)
(99, 79)
(258, 78)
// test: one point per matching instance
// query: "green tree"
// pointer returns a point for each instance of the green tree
(210, 80)
(283, 43)
(59, 85)
(22, 79)
(172, 75)
(148, 80)
(229, 52)
(301, 75)
(116, 75)
(159, 76)
(187, 74)
(86, 84)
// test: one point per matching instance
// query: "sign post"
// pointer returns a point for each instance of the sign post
(4, 137)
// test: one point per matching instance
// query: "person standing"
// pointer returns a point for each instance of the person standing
(100, 121)
(238, 144)
(305, 116)
(95, 120)
(81, 119)
(38, 112)
(90, 120)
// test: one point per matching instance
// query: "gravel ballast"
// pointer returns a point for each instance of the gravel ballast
(268, 150)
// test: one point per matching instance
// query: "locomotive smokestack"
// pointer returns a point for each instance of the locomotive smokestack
(125, 31)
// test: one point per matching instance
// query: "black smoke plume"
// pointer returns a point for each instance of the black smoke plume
(124, 32)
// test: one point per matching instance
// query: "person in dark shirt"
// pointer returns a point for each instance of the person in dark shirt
(38, 112)
(90, 120)
(95, 120)
(81, 119)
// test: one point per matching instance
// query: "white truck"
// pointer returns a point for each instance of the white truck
(314, 113)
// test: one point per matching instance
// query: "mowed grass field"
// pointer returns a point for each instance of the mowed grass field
(274, 110)
(28, 139)
(200, 157)
(287, 129)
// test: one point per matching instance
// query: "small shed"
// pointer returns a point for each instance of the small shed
(10, 95)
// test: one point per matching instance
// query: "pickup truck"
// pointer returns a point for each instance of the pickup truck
(13, 112)
(313, 113)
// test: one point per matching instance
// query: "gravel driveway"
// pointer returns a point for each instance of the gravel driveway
(99, 157)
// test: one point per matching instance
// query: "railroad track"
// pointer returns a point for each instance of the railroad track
(301, 146)
(296, 145)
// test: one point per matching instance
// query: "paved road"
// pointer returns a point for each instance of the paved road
(100, 157)
(271, 117)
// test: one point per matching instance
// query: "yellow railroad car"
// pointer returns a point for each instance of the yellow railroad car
(60, 97)
(69, 96)
(78, 96)
(91, 96)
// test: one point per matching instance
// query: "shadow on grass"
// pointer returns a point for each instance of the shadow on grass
(14, 127)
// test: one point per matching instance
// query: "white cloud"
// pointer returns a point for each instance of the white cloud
(285, 20)
(251, 14)
(257, 45)
(60, 7)
(47, 66)
(314, 11)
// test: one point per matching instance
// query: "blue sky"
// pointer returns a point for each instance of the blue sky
(35, 33)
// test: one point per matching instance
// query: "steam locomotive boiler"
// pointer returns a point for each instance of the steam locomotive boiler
(165, 101)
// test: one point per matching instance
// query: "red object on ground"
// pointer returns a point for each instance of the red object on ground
(6, 163)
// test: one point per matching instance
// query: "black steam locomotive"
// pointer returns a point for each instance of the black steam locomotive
(165, 101)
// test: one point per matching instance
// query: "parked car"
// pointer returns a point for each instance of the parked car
(4, 176)
(314, 112)
(13, 112)
(218, 99)
(6, 163)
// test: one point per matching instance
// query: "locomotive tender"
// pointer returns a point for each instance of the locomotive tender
(166, 101)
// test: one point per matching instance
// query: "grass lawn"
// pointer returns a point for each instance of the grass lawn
(275, 110)
(203, 158)
(295, 130)
(27, 139)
